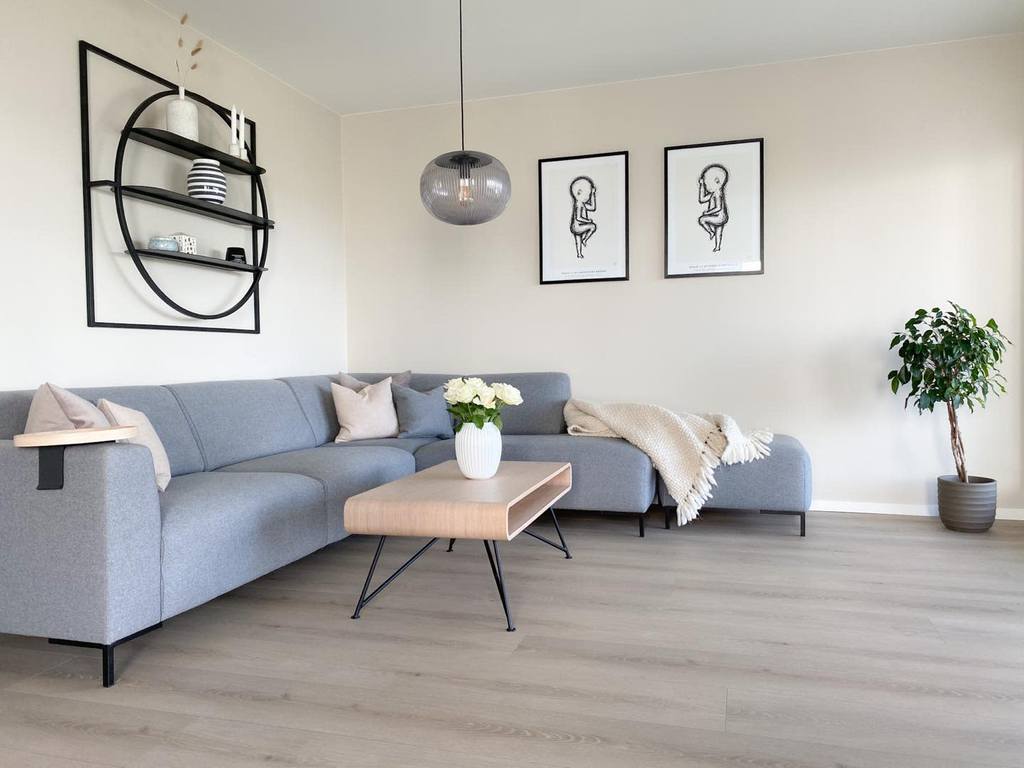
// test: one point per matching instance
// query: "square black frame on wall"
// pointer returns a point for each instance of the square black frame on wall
(717, 215)
(256, 220)
(577, 219)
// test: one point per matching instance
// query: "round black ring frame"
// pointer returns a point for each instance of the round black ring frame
(126, 232)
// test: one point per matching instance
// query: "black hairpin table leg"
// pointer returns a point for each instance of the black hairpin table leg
(366, 598)
(499, 581)
(563, 547)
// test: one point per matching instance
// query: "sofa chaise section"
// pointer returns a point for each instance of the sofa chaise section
(777, 484)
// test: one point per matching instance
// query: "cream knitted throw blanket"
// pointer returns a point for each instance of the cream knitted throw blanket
(685, 448)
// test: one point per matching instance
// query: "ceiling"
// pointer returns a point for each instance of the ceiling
(367, 55)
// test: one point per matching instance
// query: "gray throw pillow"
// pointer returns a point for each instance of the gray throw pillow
(351, 382)
(422, 414)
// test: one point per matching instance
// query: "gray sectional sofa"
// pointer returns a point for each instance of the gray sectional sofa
(258, 483)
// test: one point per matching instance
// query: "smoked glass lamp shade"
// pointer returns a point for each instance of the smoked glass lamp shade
(465, 187)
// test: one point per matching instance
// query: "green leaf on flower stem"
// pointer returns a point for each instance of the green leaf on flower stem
(497, 421)
(895, 385)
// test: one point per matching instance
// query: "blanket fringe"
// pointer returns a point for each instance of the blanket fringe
(755, 446)
(691, 502)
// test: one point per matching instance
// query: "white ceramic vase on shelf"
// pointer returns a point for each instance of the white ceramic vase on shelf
(183, 116)
(478, 451)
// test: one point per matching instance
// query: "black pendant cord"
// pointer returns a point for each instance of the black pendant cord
(462, 85)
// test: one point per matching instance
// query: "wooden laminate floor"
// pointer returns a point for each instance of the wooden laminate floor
(875, 641)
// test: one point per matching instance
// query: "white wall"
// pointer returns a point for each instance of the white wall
(42, 282)
(892, 180)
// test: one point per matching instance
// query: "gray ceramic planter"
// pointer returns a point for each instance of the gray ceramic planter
(969, 507)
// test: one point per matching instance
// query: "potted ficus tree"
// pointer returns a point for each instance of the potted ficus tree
(950, 360)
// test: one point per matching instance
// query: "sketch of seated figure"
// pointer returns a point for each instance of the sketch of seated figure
(711, 193)
(584, 202)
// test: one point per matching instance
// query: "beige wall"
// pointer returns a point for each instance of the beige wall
(43, 334)
(892, 180)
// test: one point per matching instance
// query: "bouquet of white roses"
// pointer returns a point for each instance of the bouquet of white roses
(471, 401)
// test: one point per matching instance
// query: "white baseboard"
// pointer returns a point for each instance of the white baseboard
(918, 510)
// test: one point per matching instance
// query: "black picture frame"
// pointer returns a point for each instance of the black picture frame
(666, 192)
(540, 216)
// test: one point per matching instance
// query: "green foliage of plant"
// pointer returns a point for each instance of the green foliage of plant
(947, 357)
(472, 413)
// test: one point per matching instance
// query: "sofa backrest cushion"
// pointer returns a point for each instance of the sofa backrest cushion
(158, 403)
(14, 405)
(240, 420)
(165, 414)
(314, 396)
(544, 398)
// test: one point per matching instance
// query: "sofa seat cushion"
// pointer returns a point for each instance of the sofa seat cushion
(342, 470)
(780, 481)
(223, 529)
(608, 474)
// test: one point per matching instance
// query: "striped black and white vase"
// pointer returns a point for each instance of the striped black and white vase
(206, 181)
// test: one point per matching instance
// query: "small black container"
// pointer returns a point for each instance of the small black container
(235, 254)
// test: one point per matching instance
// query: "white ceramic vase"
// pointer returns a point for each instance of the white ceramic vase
(183, 116)
(478, 451)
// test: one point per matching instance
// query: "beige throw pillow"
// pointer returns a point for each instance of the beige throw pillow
(366, 414)
(351, 382)
(55, 409)
(122, 416)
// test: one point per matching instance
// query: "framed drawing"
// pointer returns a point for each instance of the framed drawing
(584, 218)
(714, 209)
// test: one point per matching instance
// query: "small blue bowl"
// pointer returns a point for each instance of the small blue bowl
(163, 244)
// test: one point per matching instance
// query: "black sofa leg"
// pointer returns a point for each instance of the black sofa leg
(668, 519)
(109, 671)
(109, 676)
(643, 531)
(801, 515)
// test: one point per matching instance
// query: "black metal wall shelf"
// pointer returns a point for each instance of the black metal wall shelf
(257, 220)
(197, 260)
(177, 200)
(179, 145)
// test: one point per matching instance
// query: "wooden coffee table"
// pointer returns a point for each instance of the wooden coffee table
(440, 503)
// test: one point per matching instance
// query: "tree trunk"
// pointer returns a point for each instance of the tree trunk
(956, 442)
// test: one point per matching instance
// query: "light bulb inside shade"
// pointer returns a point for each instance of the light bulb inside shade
(465, 191)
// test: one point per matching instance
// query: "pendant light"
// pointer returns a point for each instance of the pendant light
(465, 186)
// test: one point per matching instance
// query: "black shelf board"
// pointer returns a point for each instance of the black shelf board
(171, 199)
(179, 145)
(197, 260)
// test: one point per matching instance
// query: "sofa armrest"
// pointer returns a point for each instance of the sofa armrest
(81, 563)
